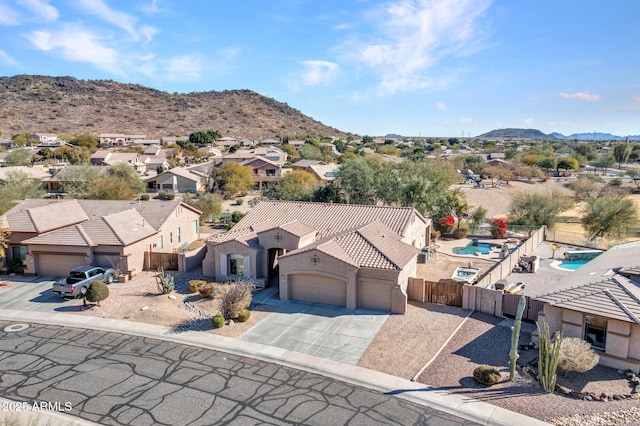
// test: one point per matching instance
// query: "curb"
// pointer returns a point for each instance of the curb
(466, 408)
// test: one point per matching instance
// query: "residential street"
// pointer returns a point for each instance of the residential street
(112, 378)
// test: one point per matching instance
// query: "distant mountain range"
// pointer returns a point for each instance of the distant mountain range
(538, 135)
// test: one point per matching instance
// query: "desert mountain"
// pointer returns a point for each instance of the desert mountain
(65, 105)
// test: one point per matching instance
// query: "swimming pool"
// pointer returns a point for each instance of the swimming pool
(569, 265)
(483, 248)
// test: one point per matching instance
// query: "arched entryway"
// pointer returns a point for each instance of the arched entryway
(273, 267)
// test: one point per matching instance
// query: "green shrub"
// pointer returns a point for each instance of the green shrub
(15, 265)
(97, 291)
(615, 182)
(244, 315)
(164, 281)
(486, 375)
(461, 232)
(164, 195)
(206, 289)
(217, 321)
(194, 285)
(239, 201)
(145, 197)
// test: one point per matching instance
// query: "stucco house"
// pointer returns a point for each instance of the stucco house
(340, 254)
(53, 236)
(178, 179)
(322, 171)
(602, 305)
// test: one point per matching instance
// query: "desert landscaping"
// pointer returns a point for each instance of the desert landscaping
(441, 344)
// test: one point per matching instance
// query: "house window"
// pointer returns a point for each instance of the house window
(236, 265)
(595, 331)
(255, 171)
(194, 226)
(19, 252)
(271, 172)
(179, 235)
(171, 237)
(159, 243)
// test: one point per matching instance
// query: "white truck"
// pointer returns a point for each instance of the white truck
(79, 280)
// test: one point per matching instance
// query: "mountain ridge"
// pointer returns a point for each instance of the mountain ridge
(66, 105)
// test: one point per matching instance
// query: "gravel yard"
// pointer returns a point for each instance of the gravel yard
(481, 340)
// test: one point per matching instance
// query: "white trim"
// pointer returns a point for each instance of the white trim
(223, 264)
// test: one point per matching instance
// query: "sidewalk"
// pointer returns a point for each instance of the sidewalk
(476, 411)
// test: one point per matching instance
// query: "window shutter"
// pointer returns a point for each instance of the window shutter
(223, 264)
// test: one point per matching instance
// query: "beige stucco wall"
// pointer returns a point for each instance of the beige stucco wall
(175, 182)
(416, 232)
(212, 267)
(182, 217)
(623, 339)
(399, 280)
(329, 266)
(133, 261)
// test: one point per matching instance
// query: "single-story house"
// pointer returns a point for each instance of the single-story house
(340, 254)
(110, 158)
(43, 137)
(33, 173)
(52, 237)
(601, 307)
(178, 179)
(322, 171)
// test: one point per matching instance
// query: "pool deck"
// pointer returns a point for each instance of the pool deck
(544, 280)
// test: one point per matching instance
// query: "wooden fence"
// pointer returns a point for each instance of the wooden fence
(435, 292)
(168, 261)
(531, 307)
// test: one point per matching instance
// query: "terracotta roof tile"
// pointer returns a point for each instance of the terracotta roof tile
(69, 236)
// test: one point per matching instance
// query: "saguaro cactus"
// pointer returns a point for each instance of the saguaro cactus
(548, 356)
(515, 337)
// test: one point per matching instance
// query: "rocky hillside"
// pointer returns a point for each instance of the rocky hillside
(516, 134)
(65, 105)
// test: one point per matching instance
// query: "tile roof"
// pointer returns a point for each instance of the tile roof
(373, 245)
(615, 298)
(69, 236)
(105, 222)
(365, 236)
(327, 218)
(43, 218)
(306, 163)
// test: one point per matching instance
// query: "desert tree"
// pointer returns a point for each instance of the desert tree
(621, 153)
(232, 178)
(576, 355)
(296, 185)
(537, 208)
(609, 216)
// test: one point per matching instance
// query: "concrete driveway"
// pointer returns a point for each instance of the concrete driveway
(35, 295)
(322, 330)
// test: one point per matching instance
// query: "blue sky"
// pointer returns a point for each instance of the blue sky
(412, 67)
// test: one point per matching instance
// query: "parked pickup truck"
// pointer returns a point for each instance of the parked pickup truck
(79, 280)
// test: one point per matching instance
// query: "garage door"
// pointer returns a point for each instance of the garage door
(374, 294)
(318, 289)
(106, 260)
(58, 265)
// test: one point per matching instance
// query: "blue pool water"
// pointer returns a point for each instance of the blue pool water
(572, 265)
(483, 248)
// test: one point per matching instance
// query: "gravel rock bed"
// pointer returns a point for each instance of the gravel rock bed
(482, 341)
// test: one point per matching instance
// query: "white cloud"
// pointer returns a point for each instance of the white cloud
(529, 121)
(119, 19)
(7, 59)
(581, 96)
(184, 68)
(77, 45)
(8, 16)
(414, 36)
(41, 8)
(318, 72)
(442, 107)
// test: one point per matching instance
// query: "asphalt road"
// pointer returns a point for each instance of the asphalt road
(111, 378)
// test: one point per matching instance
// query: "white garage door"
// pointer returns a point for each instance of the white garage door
(58, 265)
(374, 294)
(318, 289)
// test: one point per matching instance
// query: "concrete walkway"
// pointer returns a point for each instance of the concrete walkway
(472, 410)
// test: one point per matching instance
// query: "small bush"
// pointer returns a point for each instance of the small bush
(206, 289)
(235, 297)
(239, 201)
(576, 355)
(145, 197)
(462, 232)
(615, 182)
(244, 315)
(486, 375)
(217, 321)
(164, 282)
(194, 285)
(164, 195)
(96, 292)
